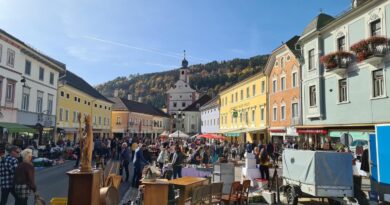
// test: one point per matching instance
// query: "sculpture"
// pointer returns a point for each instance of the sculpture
(86, 144)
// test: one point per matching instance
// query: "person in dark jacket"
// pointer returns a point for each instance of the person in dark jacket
(24, 178)
(77, 153)
(139, 163)
(124, 160)
(177, 162)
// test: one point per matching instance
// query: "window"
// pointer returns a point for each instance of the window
(343, 90)
(41, 73)
(294, 110)
(1, 88)
(10, 57)
(27, 68)
(75, 99)
(378, 83)
(376, 28)
(236, 96)
(50, 99)
(39, 101)
(253, 90)
(294, 79)
(341, 43)
(100, 120)
(9, 93)
(66, 115)
(253, 116)
(283, 112)
(61, 114)
(262, 87)
(174, 104)
(67, 95)
(275, 113)
(242, 95)
(283, 83)
(262, 113)
(311, 59)
(74, 116)
(25, 98)
(240, 116)
(226, 100)
(246, 117)
(51, 78)
(282, 62)
(312, 93)
(232, 117)
(183, 104)
(62, 93)
(231, 100)
(274, 86)
(118, 120)
(247, 92)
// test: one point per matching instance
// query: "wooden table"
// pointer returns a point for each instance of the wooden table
(187, 184)
(156, 193)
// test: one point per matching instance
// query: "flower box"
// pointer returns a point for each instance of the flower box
(337, 62)
(371, 50)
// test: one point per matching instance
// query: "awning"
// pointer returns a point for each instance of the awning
(233, 133)
(312, 131)
(16, 128)
(253, 129)
(277, 130)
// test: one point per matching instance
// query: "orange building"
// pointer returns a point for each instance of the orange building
(283, 71)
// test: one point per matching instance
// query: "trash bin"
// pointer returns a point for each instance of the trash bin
(59, 201)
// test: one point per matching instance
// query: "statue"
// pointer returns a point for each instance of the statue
(86, 144)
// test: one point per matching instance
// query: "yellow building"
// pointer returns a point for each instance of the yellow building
(76, 96)
(243, 111)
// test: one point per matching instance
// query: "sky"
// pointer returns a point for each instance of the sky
(101, 40)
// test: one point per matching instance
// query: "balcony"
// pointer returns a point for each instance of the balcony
(295, 121)
(337, 62)
(371, 50)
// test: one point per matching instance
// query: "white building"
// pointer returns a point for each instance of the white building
(28, 89)
(190, 120)
(209, 114)
(181, 95)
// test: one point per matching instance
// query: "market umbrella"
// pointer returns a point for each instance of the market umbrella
(164, 134)
(211, 136)
(179, 134)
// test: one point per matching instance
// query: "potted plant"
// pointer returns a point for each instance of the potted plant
(361, 50)
(377, 45)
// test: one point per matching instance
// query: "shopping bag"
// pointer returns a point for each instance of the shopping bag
(39, 200)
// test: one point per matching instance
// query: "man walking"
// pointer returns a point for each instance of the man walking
(139, 163)
(125, 160)
(7, 172)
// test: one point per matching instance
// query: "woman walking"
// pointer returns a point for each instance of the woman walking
(24, 178)
(264, 163)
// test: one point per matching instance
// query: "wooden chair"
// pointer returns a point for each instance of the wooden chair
(216, 193)
(206, 194)
(234, 195)
(196, 198)
(244, 196)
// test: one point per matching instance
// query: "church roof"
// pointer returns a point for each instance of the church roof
(197, 104)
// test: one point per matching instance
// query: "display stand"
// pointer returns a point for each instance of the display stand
(155, 193)
(84, 187)
(250, 171)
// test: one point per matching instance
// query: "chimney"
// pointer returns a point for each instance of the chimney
(116, 93)
(129, 96)
(140, 99)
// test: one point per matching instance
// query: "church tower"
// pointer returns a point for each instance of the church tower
(184, 70)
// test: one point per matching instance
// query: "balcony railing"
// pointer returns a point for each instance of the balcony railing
(337, 62)
(371, 50)
(295, 121)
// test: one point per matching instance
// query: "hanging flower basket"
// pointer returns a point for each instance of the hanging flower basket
(339, 59)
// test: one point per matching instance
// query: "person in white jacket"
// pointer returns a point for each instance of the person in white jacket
(162, 157)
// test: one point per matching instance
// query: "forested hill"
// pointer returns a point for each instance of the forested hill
(206, 78)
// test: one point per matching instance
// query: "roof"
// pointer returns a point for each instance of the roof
(317, 23)
(291, 45)
(211, 103)
(80, 84)
(134, 106)
(55, 62)
(254, 75)
(197, 104)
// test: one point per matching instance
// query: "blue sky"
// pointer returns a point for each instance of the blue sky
(101, 40)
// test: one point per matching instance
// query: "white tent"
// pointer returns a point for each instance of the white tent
(178, 134)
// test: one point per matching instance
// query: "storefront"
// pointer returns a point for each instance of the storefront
(312, 137)
(11, 132)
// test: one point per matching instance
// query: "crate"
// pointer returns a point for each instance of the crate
(59, 201)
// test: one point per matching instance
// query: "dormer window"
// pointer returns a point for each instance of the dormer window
(282, 62)
(341, 43)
